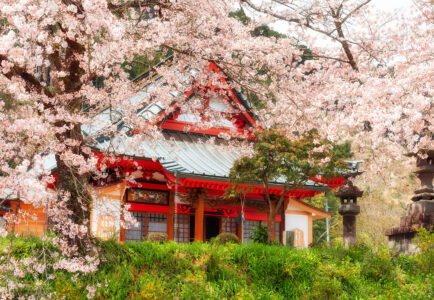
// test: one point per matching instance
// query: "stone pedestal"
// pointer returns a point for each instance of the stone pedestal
(420, 213)
(349, 213)
(349, 209)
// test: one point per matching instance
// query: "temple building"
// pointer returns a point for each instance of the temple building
(176, 185)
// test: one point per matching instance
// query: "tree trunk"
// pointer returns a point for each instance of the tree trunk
(73, 192)
(271, 222)
(77, 205)
(68, 180)
(271, 226)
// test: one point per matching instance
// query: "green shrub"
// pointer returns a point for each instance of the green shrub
(276, 242)
(425, 244)
(260, 235)
(158, 237)
(379, 266)
(149, 270)
(226, 237)
(213, 270)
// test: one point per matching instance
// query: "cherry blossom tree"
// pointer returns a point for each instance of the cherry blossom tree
(52, 51)
(370, 82)
(372, 73)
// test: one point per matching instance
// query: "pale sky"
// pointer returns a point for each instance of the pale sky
(386, 5)
(392, 4)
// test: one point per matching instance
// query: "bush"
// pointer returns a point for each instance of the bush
(378, 266)
(425, 244)
(276, 242)
(260, 235)
(226, 237)
(157, 237)
(149, 270)
(213, 270)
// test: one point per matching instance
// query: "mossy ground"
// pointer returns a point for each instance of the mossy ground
(209, 271)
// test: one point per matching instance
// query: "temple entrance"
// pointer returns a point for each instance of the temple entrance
(192, 228)
(212, 227)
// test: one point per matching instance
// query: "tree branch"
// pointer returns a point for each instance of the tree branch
(345, 46)
(32, 83)
(306, 22)
(329, 57)
(282, 196)
(265, 11)
(267, 191)
(354, 10)
(119, 9)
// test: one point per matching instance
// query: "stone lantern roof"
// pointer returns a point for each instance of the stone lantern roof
(349, 190)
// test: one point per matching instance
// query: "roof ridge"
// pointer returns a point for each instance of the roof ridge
(151, 69)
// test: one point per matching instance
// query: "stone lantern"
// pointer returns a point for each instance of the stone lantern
(348, 194)
(420, 213)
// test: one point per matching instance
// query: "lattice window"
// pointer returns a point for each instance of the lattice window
(147, 223)
(157, 223)
(182, 230)
(229, 225)
(136, 232)
(277, 229)
(106, 227)
(249, 227)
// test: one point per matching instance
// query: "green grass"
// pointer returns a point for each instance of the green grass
(209, 271)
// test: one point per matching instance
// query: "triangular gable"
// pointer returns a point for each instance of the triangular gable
(235, 112)
(233, 97)
(295, 205)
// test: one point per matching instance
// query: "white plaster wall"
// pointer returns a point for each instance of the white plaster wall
(104, 206)
(225, 123)
(298, 221)
(188, 118)
(220, 104)
(191, 118)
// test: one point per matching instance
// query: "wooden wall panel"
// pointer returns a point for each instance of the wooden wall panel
(33, 224)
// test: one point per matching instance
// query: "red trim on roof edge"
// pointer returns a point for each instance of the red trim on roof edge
(332, 183)
(212, 67)
(260, 217)
(190, 127)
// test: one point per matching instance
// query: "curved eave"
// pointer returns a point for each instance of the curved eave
(316, 187)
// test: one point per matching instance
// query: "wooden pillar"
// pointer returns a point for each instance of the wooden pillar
(198, 221)
(283, 219)
(309, 229)
(123, 191)
(171, 217)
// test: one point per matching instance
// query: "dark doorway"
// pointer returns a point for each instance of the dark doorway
(191, 228)
(212, 227)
